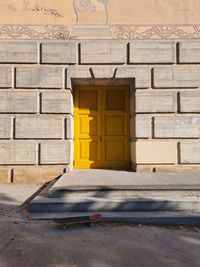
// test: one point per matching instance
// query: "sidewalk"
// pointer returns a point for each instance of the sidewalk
(12, 196)
(34, 243)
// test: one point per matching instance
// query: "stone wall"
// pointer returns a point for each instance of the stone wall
(36, 102)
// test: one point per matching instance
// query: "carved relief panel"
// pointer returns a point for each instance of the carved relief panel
(91, 12)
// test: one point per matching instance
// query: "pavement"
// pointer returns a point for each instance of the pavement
(25, 242)
(12, 196)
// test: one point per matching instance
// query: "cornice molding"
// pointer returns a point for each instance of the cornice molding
(62, 32)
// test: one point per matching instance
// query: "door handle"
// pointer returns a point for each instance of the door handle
(100, 138)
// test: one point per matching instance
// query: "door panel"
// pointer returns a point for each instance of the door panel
(115, 150)
(89, 150)
(88, 100)
(102, 127)
(115, 125)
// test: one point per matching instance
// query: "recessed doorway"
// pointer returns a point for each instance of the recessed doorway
(102, 138)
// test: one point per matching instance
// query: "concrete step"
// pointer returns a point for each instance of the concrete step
(107, 180)
(117, 204)
(144, 218)
(126, 193)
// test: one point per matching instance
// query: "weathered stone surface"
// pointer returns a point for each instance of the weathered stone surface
(103, 72)
(18, 52)
(152, 52)
(77, 73)
(177, 126)
(69, 127)
(190, 152)
(103, 52)
(36, 174)
(5, 77)
(18, 102)
(4, 175)
(57, 102)
(5, 127)
(189, 52)
(156, 152)
(55, 152)
(39, 77)
(176, 76)
(39, 127)
(155, 101)
(59, 53)
(17, 152)
(190, 101)
(141, 126)
(141, 74)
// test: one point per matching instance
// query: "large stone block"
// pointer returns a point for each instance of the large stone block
(55, 152)
(5, 77)
(77, 73)
(190, 152)
(103, 52)
(141, 74)
(18, 102)
(155, 101)
(190, 101)
(156, 152)
(189, 52)
(18, 52)
(69, 127)
(39, 127)
(176, 77)
(5, 127)
(141, 126)
(57, 102)
(177, 126)
(36, 174)
(39, 77)
(59, 53)
(152, 52)
(4, 175)
(17, 152)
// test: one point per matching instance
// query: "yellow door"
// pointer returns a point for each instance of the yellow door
(102, 127)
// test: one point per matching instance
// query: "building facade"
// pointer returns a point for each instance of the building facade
(98, 84)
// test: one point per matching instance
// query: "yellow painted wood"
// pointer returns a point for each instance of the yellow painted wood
(101, 127)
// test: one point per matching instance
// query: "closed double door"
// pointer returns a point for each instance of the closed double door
(101, 127)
